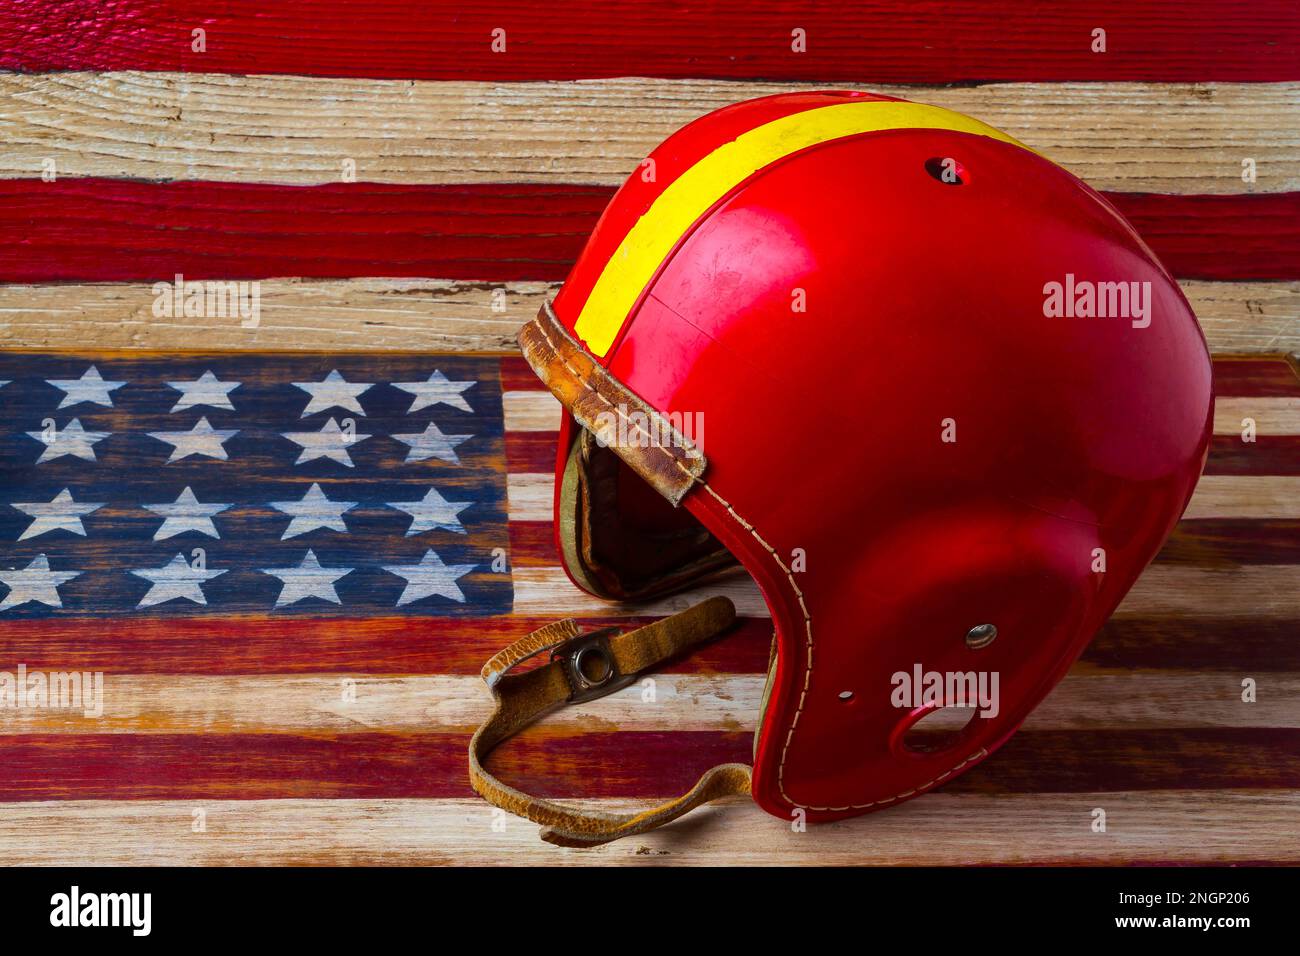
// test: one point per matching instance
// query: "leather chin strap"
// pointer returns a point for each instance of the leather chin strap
(583, 667)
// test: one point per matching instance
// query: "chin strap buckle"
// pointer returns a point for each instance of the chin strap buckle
(590, 666)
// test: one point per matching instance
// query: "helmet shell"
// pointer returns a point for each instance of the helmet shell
(909, 432)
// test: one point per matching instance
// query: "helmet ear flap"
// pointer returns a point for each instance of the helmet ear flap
(619, 539)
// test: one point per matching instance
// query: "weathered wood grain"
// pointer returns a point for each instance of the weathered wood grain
(944, 829)
(382, 647)
(120, 230)
(1262, 591)
(1272, 416)
(262, 704)
(1216, 496)
(934, 41)
(445, 316)
(620, 763)
(1133, 137)
(1233, 496)
(538, 411)
(370, 315)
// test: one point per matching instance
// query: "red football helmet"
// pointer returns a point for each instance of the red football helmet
(954, 406)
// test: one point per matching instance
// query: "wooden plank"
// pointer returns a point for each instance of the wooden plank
(354, 647)
(1203, 542)
(1233, 375)
(1263, 234)
(943, 829)
(1229, 455)
(96, 230)
(882, 40)
(1216, 496)
(561, 762)
(1211, 542)
(370, 315)
(1272, 416)
(349, 646)
(1231, 496)
(260, 704)
(1122, 137)
(444, 315)
(1268, 591)
(538, 411)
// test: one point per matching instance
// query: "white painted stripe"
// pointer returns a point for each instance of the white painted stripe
(531, 411)
(337, 703)
(1271, 416)
(439, 315)
(540, 411)
(1149, 826)
(1143, 137)
(1257, 591)
(1216, 496)
(529, 497)
(1234, 496)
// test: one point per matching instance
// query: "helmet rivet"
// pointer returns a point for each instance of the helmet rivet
(981, 635)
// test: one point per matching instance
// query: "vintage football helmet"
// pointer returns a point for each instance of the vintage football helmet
(932, 392)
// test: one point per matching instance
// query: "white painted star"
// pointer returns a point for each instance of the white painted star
(36, 582)
(432, 511)
(71, 439)
(432, 443)
(312, 512)
(91, 387)
(308, 579)
(437, 390)
(176, 579)
(330, 442)
(207, 389)
(202, 439)
(186, 514)
(429, 577)
(61, 513)
(334, 392)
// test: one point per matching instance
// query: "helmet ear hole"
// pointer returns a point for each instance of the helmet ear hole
(934, 729)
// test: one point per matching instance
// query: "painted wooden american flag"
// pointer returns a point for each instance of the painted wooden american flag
(289, 545)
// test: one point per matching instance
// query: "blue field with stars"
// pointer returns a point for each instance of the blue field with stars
(297, 484)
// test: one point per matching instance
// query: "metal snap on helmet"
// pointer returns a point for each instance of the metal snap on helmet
(932, 392)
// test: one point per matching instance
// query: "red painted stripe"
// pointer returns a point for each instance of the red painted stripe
(111, 230)
(919, 41)
(1230, 542)
(120, 230)
(530, 452)
(1267, 455)
(362, 645)
(1219, 237)
(1255, 378)
(1242, 644)
(429, 646)
(518, 376)
(594, 764)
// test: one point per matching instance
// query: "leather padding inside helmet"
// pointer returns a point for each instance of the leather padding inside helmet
(622, 540)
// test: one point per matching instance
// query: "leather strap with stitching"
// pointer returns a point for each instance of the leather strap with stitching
(523, 697)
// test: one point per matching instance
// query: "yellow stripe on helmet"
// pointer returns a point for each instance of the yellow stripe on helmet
(687, 198)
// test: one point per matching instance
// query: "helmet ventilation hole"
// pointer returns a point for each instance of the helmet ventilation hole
(947, 170)
(937, 729)
(981, 635)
